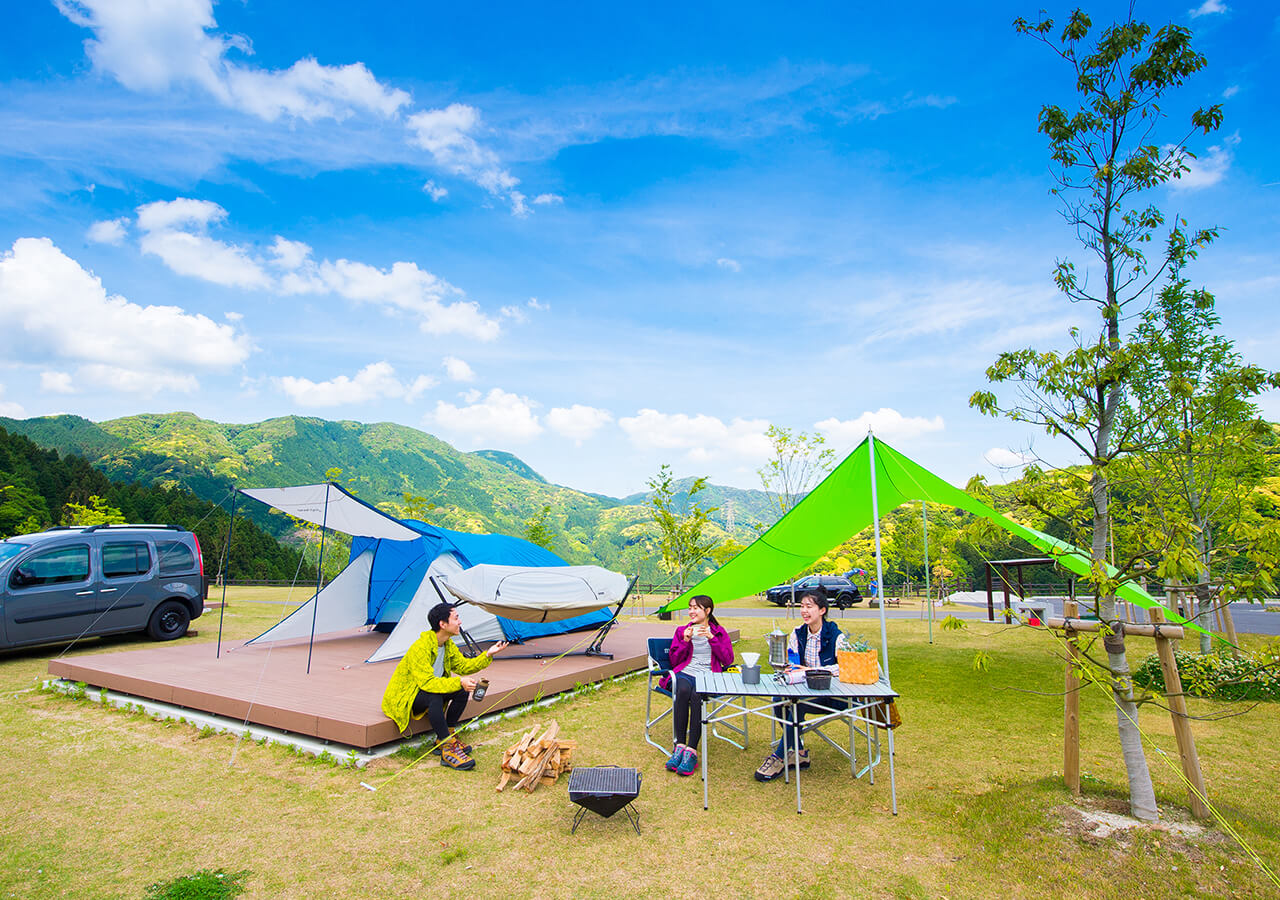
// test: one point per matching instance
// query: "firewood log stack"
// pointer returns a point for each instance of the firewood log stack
(533, 762)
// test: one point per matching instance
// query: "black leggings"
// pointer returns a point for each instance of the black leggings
(686, 715)
(444, 711)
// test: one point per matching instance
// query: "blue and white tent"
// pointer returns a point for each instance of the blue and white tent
(386, 583)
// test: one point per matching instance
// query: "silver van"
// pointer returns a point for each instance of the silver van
(82, 581)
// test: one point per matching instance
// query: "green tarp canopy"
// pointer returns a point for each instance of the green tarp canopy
(841, 506)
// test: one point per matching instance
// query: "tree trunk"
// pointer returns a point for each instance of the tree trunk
(1142, 797)
(1204, 601)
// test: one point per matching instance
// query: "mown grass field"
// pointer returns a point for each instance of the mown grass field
(101, 803)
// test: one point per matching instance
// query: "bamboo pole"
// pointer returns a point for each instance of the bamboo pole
(1071, 711)
(1181, 724)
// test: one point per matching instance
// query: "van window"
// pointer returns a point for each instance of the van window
(61, 566)
(120, 559)
(175, 557)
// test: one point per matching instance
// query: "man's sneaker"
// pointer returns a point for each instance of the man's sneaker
(673, 761)
(804, 758)
(770, 769)
(688, 762)
(454, 756)
(466, 748)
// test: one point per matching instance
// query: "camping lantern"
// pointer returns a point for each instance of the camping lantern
(777, 647)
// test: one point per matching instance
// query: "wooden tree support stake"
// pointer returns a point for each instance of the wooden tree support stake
(1071, 704)
(1181, 724)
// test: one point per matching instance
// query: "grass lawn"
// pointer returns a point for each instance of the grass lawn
(102, 803)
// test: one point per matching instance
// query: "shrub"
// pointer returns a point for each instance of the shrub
(202, 885)
(1252, 676)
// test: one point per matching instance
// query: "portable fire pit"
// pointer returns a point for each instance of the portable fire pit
(604, 790)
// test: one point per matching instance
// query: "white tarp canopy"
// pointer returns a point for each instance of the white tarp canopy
(537, 594)
(330, 506)
(340, 605)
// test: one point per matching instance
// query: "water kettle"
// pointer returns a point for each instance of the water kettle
(777, 647)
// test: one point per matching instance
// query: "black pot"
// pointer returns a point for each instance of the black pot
(817, 679)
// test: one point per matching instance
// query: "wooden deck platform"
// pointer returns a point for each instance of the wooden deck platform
(340, 700)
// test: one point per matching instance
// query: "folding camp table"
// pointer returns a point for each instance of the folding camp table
(729, 696)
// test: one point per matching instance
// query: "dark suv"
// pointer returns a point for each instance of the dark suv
(839, 591)
(83, 581)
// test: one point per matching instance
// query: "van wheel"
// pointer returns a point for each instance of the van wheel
(169, 621)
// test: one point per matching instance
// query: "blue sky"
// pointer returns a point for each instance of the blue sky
(601, 238)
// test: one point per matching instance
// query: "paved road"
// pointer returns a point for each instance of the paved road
(1250, 618)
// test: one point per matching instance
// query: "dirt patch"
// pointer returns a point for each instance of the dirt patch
(1099, 821)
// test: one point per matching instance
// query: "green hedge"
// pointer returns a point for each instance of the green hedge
(1252, 676)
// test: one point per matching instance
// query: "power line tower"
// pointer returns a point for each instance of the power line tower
(729, 520)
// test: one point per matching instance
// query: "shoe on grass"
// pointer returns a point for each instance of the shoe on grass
(770, 769)
(673, 761)
(454, 756)
(466, 748)
(688, 762)
(804, 758)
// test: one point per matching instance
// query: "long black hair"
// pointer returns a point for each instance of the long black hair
(708, 604)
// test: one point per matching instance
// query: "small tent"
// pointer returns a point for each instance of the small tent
(386, 580)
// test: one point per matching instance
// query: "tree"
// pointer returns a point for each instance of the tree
(537, 531)
(1206, 456)
(799, 460)
(95, 512)
(1105, 156)
(682, 535)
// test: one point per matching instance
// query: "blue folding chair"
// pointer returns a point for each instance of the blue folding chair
(659, 667)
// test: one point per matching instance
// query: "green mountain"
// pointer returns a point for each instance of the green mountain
(402, 470)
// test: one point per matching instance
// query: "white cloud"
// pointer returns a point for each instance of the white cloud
(436, 191)
(731, 264)
(499, 416)
(534, 304)
(1002, 458)
(9, 408)
(57, 382)
(1230, 92)
(577, 422)
(109, 231)
(546, 199)
(702, 437)
(194, 253)
(1208, 168)
(457, 369)
(884, 422)
(151, 47)
(52, 309)
(376, 381)
(447, 134)
(174, 231)
(1207, 8)
(420, 386)
(514, 313)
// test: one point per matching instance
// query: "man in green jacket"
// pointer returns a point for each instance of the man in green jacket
(434, 680)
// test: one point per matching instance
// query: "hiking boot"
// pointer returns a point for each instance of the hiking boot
(673, 761)
(770, 769)
(454, 756)
(688, 762)
(804, 758)
(466, 748)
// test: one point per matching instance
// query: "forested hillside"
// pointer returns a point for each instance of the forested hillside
(39, 486)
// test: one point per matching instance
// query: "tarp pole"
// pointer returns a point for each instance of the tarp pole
(928, 597)
(875, 520)
(226, 565)
(315, 607)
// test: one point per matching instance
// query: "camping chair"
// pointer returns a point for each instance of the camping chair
(659, 667)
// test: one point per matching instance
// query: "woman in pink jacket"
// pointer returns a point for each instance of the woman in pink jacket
(700, 646)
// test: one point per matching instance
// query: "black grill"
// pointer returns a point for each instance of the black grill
(604, 790)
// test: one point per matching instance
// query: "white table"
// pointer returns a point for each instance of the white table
(727, 698)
